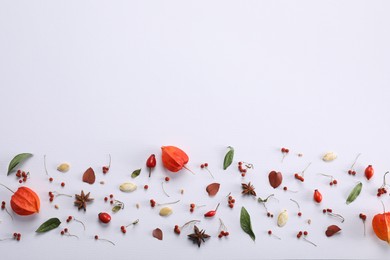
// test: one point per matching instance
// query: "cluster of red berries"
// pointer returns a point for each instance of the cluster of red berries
(64, 231)
(284, 150)
(51, 196)
(22, 176)
(111, 196)
(69, 219)
(123, 229)
(333, 182)
(270, 215)
(352, 172)
(192, 207)
(327, 210)
(176, 230)
(3, 204)
(17, 236)
(204, 165)
(362, 216)
(300, 233)
(105, 169)
(231, 201)
(241, 169)
(223, 234)
(381, 191)
(152, 203)
(299, 177)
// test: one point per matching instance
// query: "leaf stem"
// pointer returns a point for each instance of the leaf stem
(296, 202)
(357, 157)
(303, 172)
(190, 222)
(7, 188)
(162, 185)
(44, 165)
(168, 203)
(79, 222)
(309, 242)
(337, 216)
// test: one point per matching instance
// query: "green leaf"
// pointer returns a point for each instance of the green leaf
(245, 221)
(355, 193)
(116, 208)
(48, 225)
(17, 160)
(135, 173)
(228, 158)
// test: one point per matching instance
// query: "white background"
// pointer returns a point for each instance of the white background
(82, 79)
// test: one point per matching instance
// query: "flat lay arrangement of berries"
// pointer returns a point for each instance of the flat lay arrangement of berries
(20, 201)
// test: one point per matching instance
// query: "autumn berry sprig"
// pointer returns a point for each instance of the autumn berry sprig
(263, 202)
(333, 181)
(47, 173)
(65, 232)
(123, 228)
(97, 238)
(329, 212)
(193, 207)
(177, 229)
(383, 189)
(305, 234)
(223, 232)
(284, 151)
(70, 218)
(363, 217)
(231, 201)
(270, 233)
(53, 194)
(243, 167)
(3, 207)
(16, 236)
(153, 203)
(285, 188)
(301, 176)
(351, 170)
(205, 166)
(106, 168)
(299, 208)
(22, 176)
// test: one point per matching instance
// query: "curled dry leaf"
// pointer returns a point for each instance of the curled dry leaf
(328, 157)
(128, 187)
(213, 188)
(63, 167)
(282, 218)
(275, 179)
(157, 233)
(166, 211)
(89, 176)
(331, 230)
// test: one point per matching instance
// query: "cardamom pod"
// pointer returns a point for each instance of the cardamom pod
(128, 187)
(328, 157)
(63, 167)
(282, 218)
(166, 211)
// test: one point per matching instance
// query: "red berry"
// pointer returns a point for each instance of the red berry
(62, 184)
(65, 230)
(299, 214)
(124, 231)
(70, 217)
(284, 188)
(62, 232)
(334, 182)
(202, 166)
(20, 181)
(206, 165)
(51, 199)
(105, 199)
(104, 217)
(287, 150)
(269, 232)
(305, 233)
(51, 179)
(219, 236)
(111, 196)
(111, 202)
(167, 179)
(192, 205)
(233, 201)
(96, 237)
(191, 210)
(324, 211)
(240, 163)
(242, 174)
(146, 187)
(231, 205)
(349, 172)
(243, 170)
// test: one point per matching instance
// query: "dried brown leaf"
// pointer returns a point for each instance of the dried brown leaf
(157, 233)
(89, 176)
(275, 179)
(331, 230)
(213, 188)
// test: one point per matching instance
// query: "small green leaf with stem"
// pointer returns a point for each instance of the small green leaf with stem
(48, 225)
(228, 158)
(355, 193)
(246, 225)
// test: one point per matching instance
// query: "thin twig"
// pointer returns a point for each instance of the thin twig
(44, 164)
(357, 157)
(162, 185)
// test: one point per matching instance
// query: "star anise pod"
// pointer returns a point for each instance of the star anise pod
(198, 236)
(81, 200)
(248, 189)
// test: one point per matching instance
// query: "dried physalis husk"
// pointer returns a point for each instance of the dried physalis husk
(328, 157)
(282, 218)
(128, 187)
(63, 167)
(166, 211)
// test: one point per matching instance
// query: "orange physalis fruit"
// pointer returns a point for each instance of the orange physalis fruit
(174, 159)
(25, 202)
(381, 226)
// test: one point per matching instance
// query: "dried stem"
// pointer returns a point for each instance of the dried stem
(299, 208)
(9, 238)
(162, 185)
(337, 216)
(61, 194)
(189, 223)
(354, 162)
(7, 188)
(9, 214)
(135, 222)
(303, 172)
(188, 170)
(109, 162)
(309, 242)
(44, 165)
(384, 179)
(106, 240)
(210, 172)
(222, 226)
(79, 222)
(168, 203)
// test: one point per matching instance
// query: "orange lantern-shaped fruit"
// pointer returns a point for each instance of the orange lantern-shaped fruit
(174, 159)
(25, 202)
(381, 226)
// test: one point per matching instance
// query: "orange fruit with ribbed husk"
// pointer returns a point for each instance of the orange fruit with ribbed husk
(25, 202)
(174, 159)
(381, 226)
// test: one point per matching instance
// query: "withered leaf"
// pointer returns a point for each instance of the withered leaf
(331, 230)
(157, 233)
(275, 179)
(89, 176)
(213, 188)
